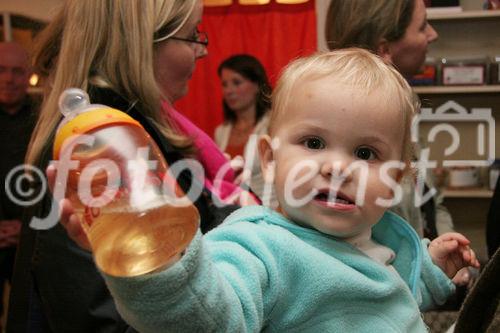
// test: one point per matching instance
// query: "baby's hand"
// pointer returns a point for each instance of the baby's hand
(69, 220)
(451, 252)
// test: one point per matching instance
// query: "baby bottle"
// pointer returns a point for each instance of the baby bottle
(135, 215)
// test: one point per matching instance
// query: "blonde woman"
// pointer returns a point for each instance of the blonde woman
(395, 30)
(130, 55)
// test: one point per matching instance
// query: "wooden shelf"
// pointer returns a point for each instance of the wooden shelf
(456, 89)
(468, 14)
(468, 193)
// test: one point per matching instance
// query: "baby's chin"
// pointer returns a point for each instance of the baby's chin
(342, 234)
(346, 230)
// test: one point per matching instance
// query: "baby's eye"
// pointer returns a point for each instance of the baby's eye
(314, 143)
(366, 154)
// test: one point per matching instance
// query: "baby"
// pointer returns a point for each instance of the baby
(331, 259)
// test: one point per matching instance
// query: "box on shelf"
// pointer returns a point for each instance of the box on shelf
(469, 71)
(495, 70)
(463, 177)
(428, 76)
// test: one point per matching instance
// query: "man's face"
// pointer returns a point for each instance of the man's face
(14, 75)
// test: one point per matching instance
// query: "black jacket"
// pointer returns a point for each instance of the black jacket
(73, 294)
(480, 311)
(493, 222)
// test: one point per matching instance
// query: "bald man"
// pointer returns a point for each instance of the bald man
(14, 76)
(17, 120)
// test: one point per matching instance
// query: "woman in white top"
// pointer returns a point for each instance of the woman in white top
(246, 101)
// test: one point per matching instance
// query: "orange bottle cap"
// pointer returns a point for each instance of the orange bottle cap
(88, 121)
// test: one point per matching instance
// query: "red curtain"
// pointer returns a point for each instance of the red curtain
(274, 33)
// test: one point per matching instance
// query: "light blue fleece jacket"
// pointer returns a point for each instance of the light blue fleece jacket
(258, 272)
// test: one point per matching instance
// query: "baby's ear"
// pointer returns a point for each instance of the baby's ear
(266, 155)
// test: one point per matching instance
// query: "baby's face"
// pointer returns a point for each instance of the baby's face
(327, 129)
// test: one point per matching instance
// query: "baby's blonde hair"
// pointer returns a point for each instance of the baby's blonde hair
(353, 67)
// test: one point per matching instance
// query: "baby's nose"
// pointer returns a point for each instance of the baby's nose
(336, 170)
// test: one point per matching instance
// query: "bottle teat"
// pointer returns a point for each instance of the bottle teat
(72, 101)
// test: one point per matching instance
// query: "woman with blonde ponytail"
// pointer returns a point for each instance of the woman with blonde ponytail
(135, 56)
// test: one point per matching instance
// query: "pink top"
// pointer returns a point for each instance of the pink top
(208, 154)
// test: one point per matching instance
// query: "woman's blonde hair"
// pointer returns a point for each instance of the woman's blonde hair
(362, 23)
(109, 44)
(352, 67)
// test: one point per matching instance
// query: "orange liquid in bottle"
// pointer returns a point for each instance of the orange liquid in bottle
(121, 189)
(128, 243)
